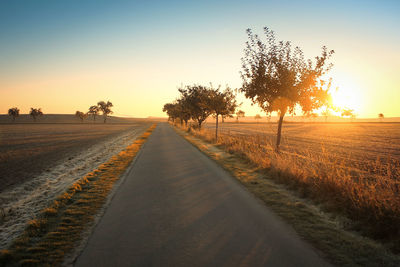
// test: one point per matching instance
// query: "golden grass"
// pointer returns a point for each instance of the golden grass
(370, 200)
(58, 228)
(324, 230)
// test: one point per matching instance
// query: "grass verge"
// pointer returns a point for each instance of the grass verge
(57, 229)
(323, 230)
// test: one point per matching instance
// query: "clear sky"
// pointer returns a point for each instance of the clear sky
(64, 56)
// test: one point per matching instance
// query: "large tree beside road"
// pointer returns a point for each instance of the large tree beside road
(278, 78)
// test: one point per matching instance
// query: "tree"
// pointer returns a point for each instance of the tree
(105, 108)
(221, 103)
(35, 112)
(94, 111)
(326, 114)
(239, 114)
(257, 117)
(380, 116)
(14, 112)
(347, 112)
(197, 99)
(173, 111)
(80, 115)
(278, 78)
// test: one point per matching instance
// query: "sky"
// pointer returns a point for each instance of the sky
(65, 56)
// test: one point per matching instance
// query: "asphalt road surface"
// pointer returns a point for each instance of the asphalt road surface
(177, 207)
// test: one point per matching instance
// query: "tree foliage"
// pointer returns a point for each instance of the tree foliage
(94, 111)
(105, 108)
(278, 78)
(197, 99)
(81, 115)
(13, 112)
(36, 112)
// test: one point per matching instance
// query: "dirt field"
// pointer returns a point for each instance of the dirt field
(367, 147)
(39, 161)
(27, 150)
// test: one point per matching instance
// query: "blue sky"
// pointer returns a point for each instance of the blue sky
(120, 50)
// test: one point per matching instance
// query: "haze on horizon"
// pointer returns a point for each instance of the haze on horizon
(64, 56)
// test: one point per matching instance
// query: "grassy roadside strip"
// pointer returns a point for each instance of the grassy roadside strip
(57, 229)
(341, 247)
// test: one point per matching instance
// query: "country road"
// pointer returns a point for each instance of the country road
(176, 207)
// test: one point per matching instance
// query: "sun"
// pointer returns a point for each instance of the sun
(347, 96)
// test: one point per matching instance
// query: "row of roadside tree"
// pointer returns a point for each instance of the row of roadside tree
(275, 76)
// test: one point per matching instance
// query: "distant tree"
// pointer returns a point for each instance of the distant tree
(35, 112)
(13, 112)
(197, 99)
(380, 116)
(326, 114)
(81, 115)
(257, 117)
(239, 114)
(221, 103)
(278, 78)
(105, 108)
(311, 116)
(347, 112)
(94, 111)
(269, 117)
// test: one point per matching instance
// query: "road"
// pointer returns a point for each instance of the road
(176, 207)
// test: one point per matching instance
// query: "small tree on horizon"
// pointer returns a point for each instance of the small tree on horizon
(257, 117)
(35, 112)
(81, 115)
(105, 108)
(278, 78)
(381, 117)
(14, 112)
(94, 111)
(239, 114)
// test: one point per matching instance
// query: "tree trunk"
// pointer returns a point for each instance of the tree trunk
(105, 118)
(278, 136)
(200, 122)
(216, 129)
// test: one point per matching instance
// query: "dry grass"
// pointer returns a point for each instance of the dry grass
(58, 228)
(367, 193)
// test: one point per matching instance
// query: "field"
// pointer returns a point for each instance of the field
(38, 162)
(364, 147)
(351, 169)
(27, 150)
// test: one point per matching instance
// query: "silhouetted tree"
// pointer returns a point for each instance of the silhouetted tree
(239, 114)
(14, 112)
(105, 108)
(257, 117)
(347, 112)
(326, 114)
(221, 103)
(80, 115)
(35, 112)
(277, 77)
(197, 99)
(94, 111)
(380, 116)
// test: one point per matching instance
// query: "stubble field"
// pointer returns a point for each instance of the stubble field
(38, 162)
(372, 148)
